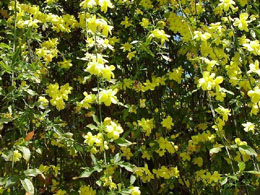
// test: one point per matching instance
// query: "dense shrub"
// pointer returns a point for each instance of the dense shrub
(129, 97)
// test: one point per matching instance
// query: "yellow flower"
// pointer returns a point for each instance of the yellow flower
(254, 94)
(126, 152)
(126, 47)
(142, 103)
(66, 64)
(108, 97)
(198, 161)
(112, 128)
(185, 156)
(135, 190)
(130, 55)
(249, 127)
(105, 4)
(87, 4)
(144, 23)
(60, 192)
(146, 4)
(227, 4)
(167, 122)
(159, 34)
(107, 72)
(17, 156)
(241, 23)
(176, 74)
(215, 177)
(126, 23)
(147, 125)
(87, 190)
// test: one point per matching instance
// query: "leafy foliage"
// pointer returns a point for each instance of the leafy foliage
(129, 97)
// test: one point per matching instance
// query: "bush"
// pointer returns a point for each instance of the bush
(129, 97)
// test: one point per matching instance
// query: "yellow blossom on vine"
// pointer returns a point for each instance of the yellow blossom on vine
(227, 4)
(87, 4)
(176, 74)
(66, 64)
(198, 161)
(16, 156)
(145, 22)
(112, 128)
(126, 47)
(135, 190)
(208, 81)
(105, 4)
(167, 122)
(147, 125)
(87, 190)
(108, 96)
(248, 126)
(159, 34)
(254, 94)
(130, 55)
(127, 152)
(126, 23)
(241, 23)
(61, 192)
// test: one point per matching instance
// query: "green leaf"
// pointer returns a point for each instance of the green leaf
(132, 179)
(117, 158)
(92, 127)
(86, 173)
(233, 177)
(26, 152)
(253, 172)
(241, 166)
(28, 186)
(3, 45)
(215, 150)
(147, 50)
(95, 118)
(123, 142)
(94, 160)
(31, 92)
(223, 181)
(11, 181)
(248, 150)
(33, 173)
(129, 167)
(5, 67)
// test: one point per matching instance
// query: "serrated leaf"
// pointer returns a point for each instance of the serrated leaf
(28, 186)
(248, 150)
